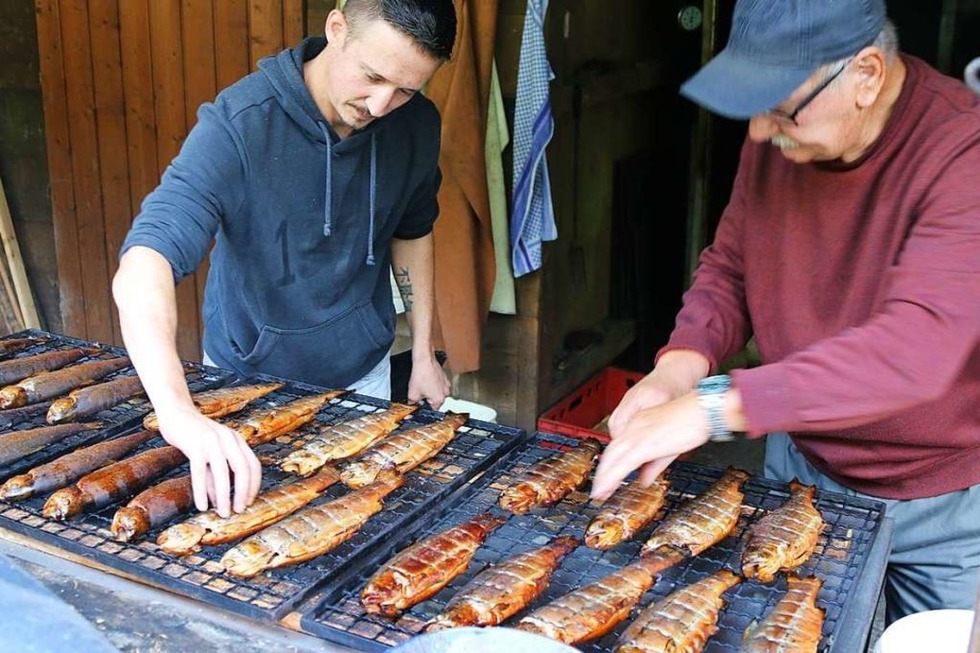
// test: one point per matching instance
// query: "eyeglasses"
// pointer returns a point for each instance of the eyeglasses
(779, 114)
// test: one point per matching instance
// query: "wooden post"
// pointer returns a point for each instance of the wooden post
(22, 287)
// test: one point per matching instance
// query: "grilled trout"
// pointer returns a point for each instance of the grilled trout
(221, 402)
(785, 538)
(345, 440)
(592, 611)
(548, 481)
(209, 528)
(403, 451)
(268, 424)
(14, 416)
(682, 621)
(93, 399)
(112, 482)
(16, 369)
(793, 626)
(66, 469)
(152, 507)
(11, 345)
(703, 520)
(426, 567)
(312, 531)
(47, 385)
(625, 513)
(504, 589)
(17, 444)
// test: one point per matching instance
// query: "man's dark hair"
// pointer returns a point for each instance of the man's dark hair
(431, 24)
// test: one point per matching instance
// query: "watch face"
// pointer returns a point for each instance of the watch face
(689, 17)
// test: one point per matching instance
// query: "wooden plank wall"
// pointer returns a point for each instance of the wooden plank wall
(121, 83)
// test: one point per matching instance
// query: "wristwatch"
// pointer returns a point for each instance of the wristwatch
(711, 397)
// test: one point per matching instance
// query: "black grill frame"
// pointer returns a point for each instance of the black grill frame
(270, 595)
(335, 613)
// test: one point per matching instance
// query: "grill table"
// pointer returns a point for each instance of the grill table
(849, 557)
(272, 594)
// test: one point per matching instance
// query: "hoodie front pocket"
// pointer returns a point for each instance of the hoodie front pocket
(333, 353)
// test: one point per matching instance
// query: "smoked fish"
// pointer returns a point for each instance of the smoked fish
(703, 520)
(60, 472)
(47, 385)
(682, 621)
(593, 610)
(345, 439)
(269, 423)
(548, 481)
(403, 451)
(310, 532)
(785, 538)
(426, 567)
(504, 589)
(14, 416)
(793, 626)
(17, 444)
(209, 528)
(92, 399)
(16, 369)
(11, 345)
(221, 402)
(152, 507)
(112, 482)
(625, 513)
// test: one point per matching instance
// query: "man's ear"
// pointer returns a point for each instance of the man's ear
(336, 27)
(871, 69)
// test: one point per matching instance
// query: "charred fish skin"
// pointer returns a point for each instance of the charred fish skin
(592, 611)
(14, 416)
(345, 439)
(209, 528)
(794, 625)
(153, 507)
(310, 532)
(504, 589)
(402, 452)
(703, 520)
(221, 401)
(83, 402)
(426, 567)
(785, 538)
(18, 444)
(12, 345)
(112, 482)
(548, 481)
(626, 512)
(50, 384)
(70, 467)
(17, 369)
(681, 621)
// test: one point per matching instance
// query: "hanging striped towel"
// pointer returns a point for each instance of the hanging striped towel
(533, 216)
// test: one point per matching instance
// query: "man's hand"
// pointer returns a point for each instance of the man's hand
(218, 456)
(651, 438)
(428, 381)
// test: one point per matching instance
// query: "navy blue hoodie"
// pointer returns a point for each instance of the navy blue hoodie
(302, 222)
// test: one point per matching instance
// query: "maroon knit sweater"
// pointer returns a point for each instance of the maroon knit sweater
(861, 284)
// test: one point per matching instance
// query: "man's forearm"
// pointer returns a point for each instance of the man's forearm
(412, 263)
(143, 289)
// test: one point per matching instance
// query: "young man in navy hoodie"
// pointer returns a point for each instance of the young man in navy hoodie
(314, 176)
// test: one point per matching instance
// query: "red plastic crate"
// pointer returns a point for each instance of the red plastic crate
(580, 412)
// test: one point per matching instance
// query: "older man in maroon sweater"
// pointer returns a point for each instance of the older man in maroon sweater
(850, 249)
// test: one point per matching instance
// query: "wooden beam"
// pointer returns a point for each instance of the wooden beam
(25, 300)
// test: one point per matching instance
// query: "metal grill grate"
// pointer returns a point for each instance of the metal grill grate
(115, 420)
(852, 525)
(271, 594)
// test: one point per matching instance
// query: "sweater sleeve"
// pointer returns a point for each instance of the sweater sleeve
(912, 349)
(714, 318)
(202, 185)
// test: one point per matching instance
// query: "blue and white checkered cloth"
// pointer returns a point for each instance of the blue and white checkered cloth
(533, 215)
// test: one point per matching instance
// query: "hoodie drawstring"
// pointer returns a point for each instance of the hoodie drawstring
(328, 191)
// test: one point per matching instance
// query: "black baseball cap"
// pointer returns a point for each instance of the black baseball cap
(775, 45)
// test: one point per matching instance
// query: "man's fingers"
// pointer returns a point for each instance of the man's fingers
(254, 471)
(650, 471)
(218, 464)
(199, 482)
(611, 471)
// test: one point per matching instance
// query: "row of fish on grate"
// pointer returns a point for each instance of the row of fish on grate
(374, 462)
(683, 621)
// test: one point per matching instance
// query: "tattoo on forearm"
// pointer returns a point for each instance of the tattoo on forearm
(404, 283)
